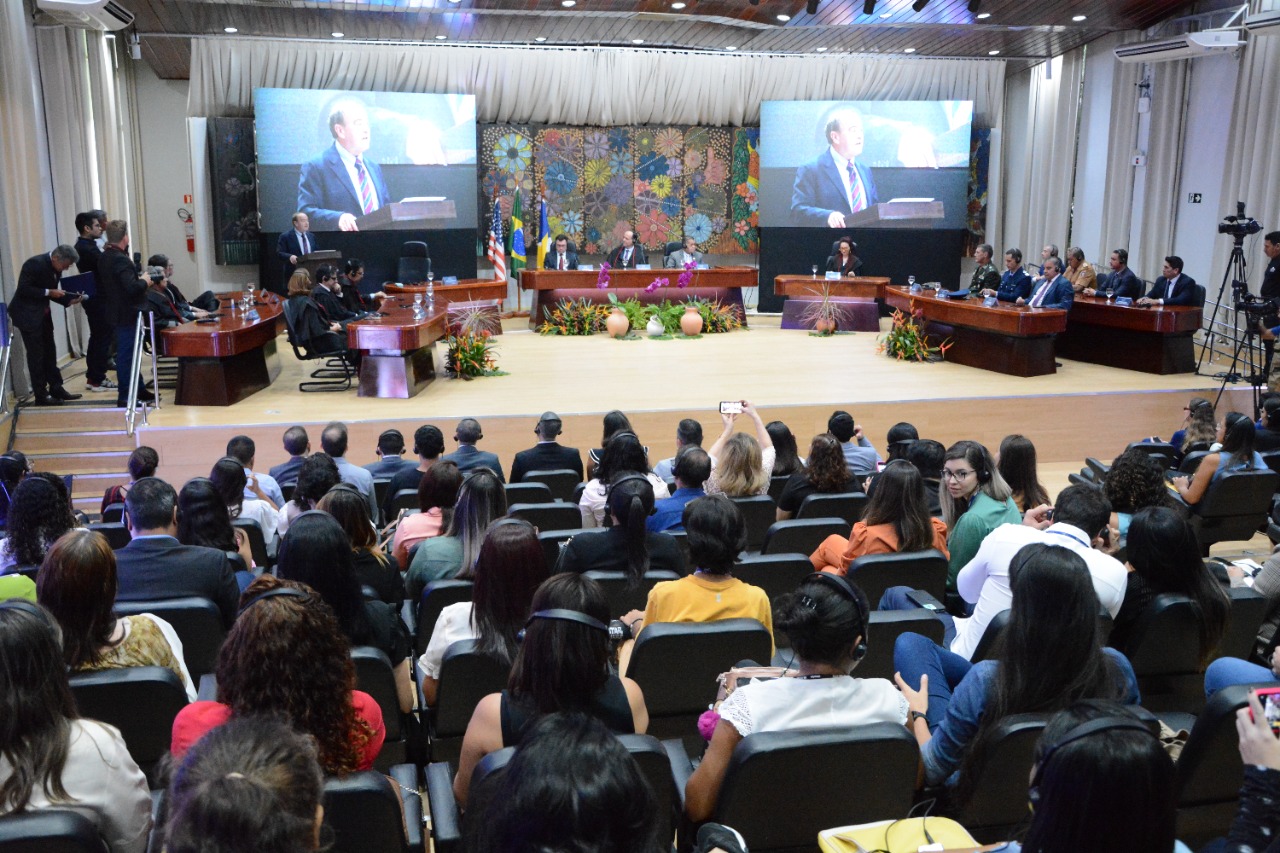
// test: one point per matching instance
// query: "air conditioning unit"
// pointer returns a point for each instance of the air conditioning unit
(1263, 23)
(1189, 46)
(87, 14)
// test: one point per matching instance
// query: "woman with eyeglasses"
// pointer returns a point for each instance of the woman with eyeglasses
(975, 501)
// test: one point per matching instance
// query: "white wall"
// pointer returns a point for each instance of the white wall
(166, 172)
(1091, 153)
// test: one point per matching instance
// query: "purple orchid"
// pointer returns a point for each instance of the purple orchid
(686, 277)
(602, 280)
(657, 283)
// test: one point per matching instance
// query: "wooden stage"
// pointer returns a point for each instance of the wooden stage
(1082, 410)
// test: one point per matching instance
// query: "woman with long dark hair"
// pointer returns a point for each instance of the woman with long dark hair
(1016, 461)
(49, 756)
(143, 462)
(623, 455)
(975, 500)
(1236, 434)
(317, 552)
(318, 474)
(899, 438)
(203, 519)
(287, 655)
(626, 545)
(896, 519)
(509, 570)
(825, 473)
(614, 422)
(437, 493)
(787, 459)
(370, 563)
(229, 478)
(563, 664)
(1049, 657)
(38, 517)
(481, 499)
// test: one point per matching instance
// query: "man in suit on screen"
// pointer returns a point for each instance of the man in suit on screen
(340, 184)
(835, 185)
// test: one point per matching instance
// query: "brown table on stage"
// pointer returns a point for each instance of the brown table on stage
(466, 290)
(396, 348)
(223, 362)
(860, 287)
(1012, 339)
(1150, 340)
(549, 286)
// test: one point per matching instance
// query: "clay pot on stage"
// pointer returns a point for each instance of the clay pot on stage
(825, 327)
(617, 324)
(691, 322)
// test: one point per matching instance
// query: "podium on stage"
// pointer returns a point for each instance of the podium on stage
(408, 215)
(897, 213)
(313, 260)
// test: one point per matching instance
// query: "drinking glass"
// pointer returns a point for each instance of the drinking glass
(911, 281)
(1110, 292)
(815, 270)
(431, 290)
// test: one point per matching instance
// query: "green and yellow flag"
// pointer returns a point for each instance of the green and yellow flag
(517, 235)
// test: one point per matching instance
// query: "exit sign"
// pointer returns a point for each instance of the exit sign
(1195, 198)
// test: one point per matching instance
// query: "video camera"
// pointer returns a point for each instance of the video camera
(1240, 225)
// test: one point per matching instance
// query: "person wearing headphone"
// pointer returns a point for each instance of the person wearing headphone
(564, 664)
(390, 452)
(548, 454)
(826, 619)
(691, 470)
(626, 545)
(349, 288)
(975, 500)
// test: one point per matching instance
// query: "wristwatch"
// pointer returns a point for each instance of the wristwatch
(914, 715)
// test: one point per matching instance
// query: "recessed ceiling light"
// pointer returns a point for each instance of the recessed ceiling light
(441, 38)
(568, 3)
(730, 47)
(540, 39)
(637, 41)
(821, 49)
(337, 35)
(982, 16)
(1079, 18)
(230, 30)
(993, 53)
(784, 18)
(909, 50)
(886, 14)
(677, 5)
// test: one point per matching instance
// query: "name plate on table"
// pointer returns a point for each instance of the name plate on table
(1125, 301)
(832, 275)
(990, 302)
(586, 267)
(703, 267)
(449, 279)
(644, 266)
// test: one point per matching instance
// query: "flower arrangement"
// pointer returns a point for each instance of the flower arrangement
(906, 341)
(602, 279)
(470, 346)
(716, 317)
(574, 317)
(824, 314)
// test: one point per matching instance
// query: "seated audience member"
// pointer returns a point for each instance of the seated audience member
(985, 275)
(826, 619)
(686, 257)
(203, 519)
(316, 477)
(1080, 273)
(333, 441)
(311, 325)
(437, 494)
(17, 586)
(1122, 282)
(1053, 291)
(571, 785)
(1134, 481)
(860, 456)
(253, 783)
(1268, 437)
(623, 456)
(787, 459)
(825, 473)
(12, 471)
(481, 500)
(143, 462)
(563, 664)
(626, 545)
(1199, 428)
(1235, 434)
(898, 439)
(845, 261)
(51, 758)
(741, 465)
(349, 289)
(297, 445)
(1099, 759)
(242, 449)
(1016, 461)
(975, 500)
(560, 258)
(1049, 657)
(693, 467)
(228, 478)
(548, 454)
(688, 434)
(369, 562)
(614, 423)
(896, 519)
(468, 457)
(1015, 284)
(1256, 821)
(928, 456)
(630, 254)
(38, 517)
(188, 310)
(1172, 287)
(508, 571)
(390, 452)
(428, 445)
(1164, 557)
(316, 552)
(287, 656)
(77, 584)
(717, 534)
(155, 565)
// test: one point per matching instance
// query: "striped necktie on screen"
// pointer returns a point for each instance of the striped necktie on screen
(857, 195)
(366, 188)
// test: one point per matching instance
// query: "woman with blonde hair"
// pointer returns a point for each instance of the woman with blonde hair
(741, 465)
(300, 283)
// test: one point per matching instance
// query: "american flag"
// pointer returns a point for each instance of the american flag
(496, 254)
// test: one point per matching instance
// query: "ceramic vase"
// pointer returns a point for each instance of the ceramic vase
(617, 324)
(691, 322)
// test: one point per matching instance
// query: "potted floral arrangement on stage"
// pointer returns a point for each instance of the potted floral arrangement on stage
(574, 317)
(823, 313)
(470, 347)
(906, 341)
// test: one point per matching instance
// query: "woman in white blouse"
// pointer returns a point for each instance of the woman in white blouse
(741, 465)
(623, 454)
(826, 620)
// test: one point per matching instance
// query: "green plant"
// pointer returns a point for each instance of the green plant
(471, 354)
(824, 314)
(717, 317)
(637, 312)
(906, 341)
(574, 317)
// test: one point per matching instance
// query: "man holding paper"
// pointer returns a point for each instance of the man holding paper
(37, 286)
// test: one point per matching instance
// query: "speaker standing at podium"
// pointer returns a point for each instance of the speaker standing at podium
(340, 184)
(295, 243)
(835, 185)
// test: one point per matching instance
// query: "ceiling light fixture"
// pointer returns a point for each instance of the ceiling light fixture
(337, 35)
(230, 30)
(919, 5)
(993, 53)
(869, 7)
(822, 50)
(784, 18)
(441, 38)
(982, 16)
(731, 47)
(637, 41)
(677, 5)
(540, 39)
(568, 3)
(1079, 18)
(909, 50)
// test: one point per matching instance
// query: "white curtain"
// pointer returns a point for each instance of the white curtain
(586, 86)
(1170, 83)
(1122, 140)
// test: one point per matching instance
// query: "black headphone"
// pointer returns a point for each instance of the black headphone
(632, 478)
(28, 608)
(537, 428)
(391, 433)
(846, 588)
(272, 593)
(1084, 730)
(566, 615)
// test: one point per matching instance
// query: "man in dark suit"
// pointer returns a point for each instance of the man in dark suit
(390, 455)
(98, 354)
(687, 254)
(295, 243)
(561, 258)
(332, 310)
(1172, 288)
(1015, 284)
(31, 314)
(340, 184)
(428, 444)
(1055, 291)
(834, 185)
(297, 445)
(1270, 289)
(154, 565)
(467, 457)
(1122, 281)
(548, 454)
(629, 254)
(123, 290)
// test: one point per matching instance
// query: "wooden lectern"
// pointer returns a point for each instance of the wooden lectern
(311, 262)
(407, 215)
(896, 214)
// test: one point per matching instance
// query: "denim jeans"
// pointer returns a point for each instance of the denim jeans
(895, 598)
(915, 655)
(1225, 672)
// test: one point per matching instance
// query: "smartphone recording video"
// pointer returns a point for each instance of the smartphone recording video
(731, 407)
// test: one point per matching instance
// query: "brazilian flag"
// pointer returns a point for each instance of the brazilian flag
(517, 235)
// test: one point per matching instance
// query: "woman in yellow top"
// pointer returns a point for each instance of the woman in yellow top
(896, 519)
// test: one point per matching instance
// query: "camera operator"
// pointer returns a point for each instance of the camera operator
(1270, 290)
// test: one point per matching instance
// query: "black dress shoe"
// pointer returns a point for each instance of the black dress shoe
(47, 401)
(64, 394)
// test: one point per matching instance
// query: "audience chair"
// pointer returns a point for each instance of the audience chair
(926, 570)
(528, 493)
(776, 574)
(676, 665)
(29, 572)
(682, 542)
(883, 628)
(1162, 452)
(624, 598)
(552, 515)
(760, 512)
(849, 506)
(670, 248)
(404, 499)
(140, 701)
(334, 374)
(1272, 458)
(366, 812)
(1164, 650)
(801, 535)
(986, 646)
(286, 490)
(1210, 771)
(466, 677)
(1191, 462)
(561, 482)
(1234, 507)
(414, 263)
(198, 623)
(1244, 620)
(257, 541)
(777, 483)
(117, 534)
(781, 788)
(50, 831)
(436, 596)
(1079, 480)
(113, 513)
(577, 493)
(375, 676)
(1095, 470)
(380, 486)
(552, 541)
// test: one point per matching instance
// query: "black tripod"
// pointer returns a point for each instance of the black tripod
(1242, 334)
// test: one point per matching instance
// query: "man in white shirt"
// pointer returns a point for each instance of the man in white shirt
(242, 449)
(1080, 523)
(333, 441)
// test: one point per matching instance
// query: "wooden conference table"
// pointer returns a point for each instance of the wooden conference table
(858, 287)
(723, 284)
(1151, 339)
(466, 290)
(223, 362)
(396, 348)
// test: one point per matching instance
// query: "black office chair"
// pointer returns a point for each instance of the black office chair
(380, 486)
(1165, 454)
(528, 493)
(552, 515)
(671, 248)
(848, 506)
(197, 622)
(50, 831)
(116, 533)
(883, 628)
(257, 541)
(623, 598)
(366, 812)
(1234, 507)
(776, 574)
(987, 646)
(1244, 620)
(999, 800)
(1164, 649)
(140, 701)
(1198, 295)
(404, 499)
(113, 512)
(375, 676)
(553, 541)
(1210, 771)
(335, 372)
(759, 512)
(926, 570)
(436, 596)
(561, 482)
(1191, 462)
(801, 535)
(414, 263)
(777, 483)
(466, 677)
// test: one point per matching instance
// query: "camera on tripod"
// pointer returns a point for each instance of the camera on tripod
(1240, 225)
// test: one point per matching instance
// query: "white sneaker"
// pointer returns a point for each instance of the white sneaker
(105, 385)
